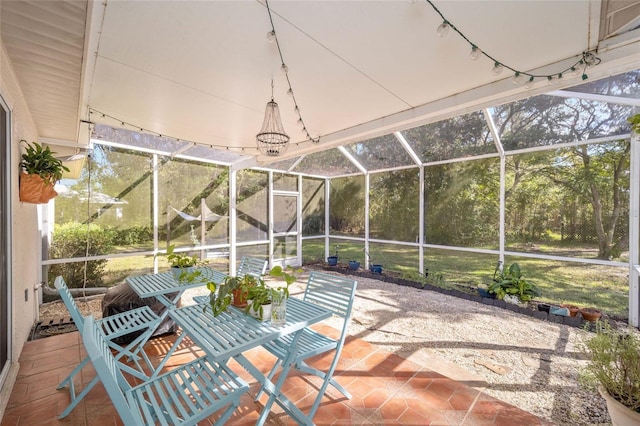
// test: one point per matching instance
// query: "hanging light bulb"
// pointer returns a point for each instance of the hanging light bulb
(497, 68)
(475, 53)
(551, 81)
(518, 78)
(296, 110)
(529, 83)
(271, 36)
(575, 71)
(559, 78)
(284, 68)
(301, 123)
(443, 29)
(290, 92)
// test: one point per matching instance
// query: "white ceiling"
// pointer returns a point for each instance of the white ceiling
(202, 70)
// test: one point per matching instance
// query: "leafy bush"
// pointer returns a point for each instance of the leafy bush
(69, 241)
(133, 235)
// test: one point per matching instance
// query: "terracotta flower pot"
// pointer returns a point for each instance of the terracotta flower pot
(590, 314)
(239, 298)
(34, 189)
(573, 309)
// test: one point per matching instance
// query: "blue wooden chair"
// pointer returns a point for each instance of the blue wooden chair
(140, 320)
(248, 265)
(336, 294)
(251, 266)
(183, 396)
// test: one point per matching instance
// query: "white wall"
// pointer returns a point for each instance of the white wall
(25, 232)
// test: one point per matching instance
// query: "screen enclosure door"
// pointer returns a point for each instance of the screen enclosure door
(286, 241)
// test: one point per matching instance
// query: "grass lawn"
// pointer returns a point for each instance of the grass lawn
(602, 287)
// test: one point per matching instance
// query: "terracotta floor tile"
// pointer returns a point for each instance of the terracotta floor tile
(387, 389)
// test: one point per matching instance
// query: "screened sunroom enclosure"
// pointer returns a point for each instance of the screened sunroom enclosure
(550, 182)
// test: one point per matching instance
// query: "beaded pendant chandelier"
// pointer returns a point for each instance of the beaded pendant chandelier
(272, 139)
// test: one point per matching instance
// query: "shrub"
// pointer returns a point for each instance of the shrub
(69, 241)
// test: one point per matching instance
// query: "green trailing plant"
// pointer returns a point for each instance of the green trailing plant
(614, 364)
(259, 296)
(220, 297)
(179, 260)
(510, 281)
(41, 161)
(289, 274)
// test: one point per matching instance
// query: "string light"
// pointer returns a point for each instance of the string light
(586, 60)
(475, 53)
(285, 69)
(140, 129)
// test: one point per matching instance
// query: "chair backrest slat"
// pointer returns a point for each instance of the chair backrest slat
(107, 369)
(331, 292)
(69, 302)
(251, 266)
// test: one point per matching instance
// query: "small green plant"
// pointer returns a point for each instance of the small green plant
(614, 364)
(178, 260)
(511, 282)
(40, 161)
(259, 296)
(221, 299)
(289, 274)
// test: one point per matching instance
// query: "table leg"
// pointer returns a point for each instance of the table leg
(273, 390)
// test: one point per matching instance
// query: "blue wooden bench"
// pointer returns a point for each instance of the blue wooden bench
(185, 395)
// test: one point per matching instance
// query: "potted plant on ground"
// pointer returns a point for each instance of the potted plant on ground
(333, 260)
(614, 368)
(41, 171)
(510, 286)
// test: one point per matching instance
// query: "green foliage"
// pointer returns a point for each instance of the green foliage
(289, 274)
(615, 364)
(69, 241)
(260, 295)
(178, 260)
(511, 282)
(40, 161)
(220, 300)
(634, 120)
(136, 234)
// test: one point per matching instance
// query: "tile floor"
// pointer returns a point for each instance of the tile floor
(387, 389)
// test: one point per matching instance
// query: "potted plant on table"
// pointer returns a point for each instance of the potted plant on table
(614, 368)
(259, 300)
(510, 286)
(41, 171)
(233, 290)
(182, 264)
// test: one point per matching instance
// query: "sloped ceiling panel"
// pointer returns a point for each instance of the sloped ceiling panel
(45, 41)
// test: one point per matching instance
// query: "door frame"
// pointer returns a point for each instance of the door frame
(6, 314)
(292, 260)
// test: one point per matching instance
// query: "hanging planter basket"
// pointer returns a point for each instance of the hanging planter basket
(36, 190)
